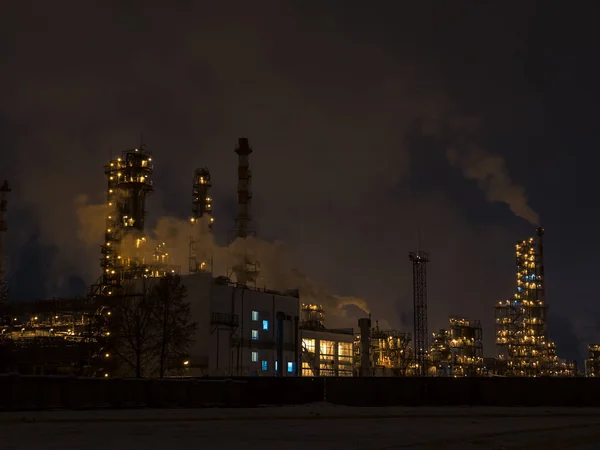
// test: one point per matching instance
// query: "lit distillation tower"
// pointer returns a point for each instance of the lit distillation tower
(4, 190)
(521, 330)
(246, 269)
(201, 221)
(128, 185)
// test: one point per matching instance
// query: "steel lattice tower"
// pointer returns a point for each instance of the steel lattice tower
(419, 260)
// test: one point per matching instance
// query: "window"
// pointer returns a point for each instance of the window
(255, 315)
(276, 365)
(265, 325)
(345, 352)
(291, 367)
(307, 370)
(265, 365)
(254, 335)
(308, 345)
(254, 356)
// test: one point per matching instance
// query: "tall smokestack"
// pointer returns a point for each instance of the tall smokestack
(244, 189)
(4, 190)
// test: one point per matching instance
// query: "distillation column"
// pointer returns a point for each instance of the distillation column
(129, 183)
(4, 190)
(201, 221)
(419, 260)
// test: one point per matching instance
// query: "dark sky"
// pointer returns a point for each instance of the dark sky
(354, 110)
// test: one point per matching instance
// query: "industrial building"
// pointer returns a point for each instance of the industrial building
(242, 331)
(458, 350)
(246, 331)
(521, 322)
(325, 352)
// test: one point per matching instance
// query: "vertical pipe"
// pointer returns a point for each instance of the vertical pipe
(365, 335)
(4, 190)
(296, 344)
(279, 343)
(244, 187)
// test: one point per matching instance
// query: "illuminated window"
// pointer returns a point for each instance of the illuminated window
(290, 367)
(254, 315)
(307, 370)
(265, 365)
(308, 345)
(276, 365)
(254, 335)
(265, 325)
(345, 352)
(254, 356)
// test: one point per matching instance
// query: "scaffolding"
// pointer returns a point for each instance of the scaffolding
(312, 317)
(390, 352)
(458, 350)
(521, 327)
(200, 260)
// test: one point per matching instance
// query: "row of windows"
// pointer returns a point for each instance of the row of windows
(265, 364)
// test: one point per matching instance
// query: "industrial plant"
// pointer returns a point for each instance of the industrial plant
(244, 330)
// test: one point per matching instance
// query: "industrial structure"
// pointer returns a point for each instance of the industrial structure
(125, 255)
(521, 322)
(200, 260)
(458, 350)
(325, 352)
(592, 363)
(246, 331)
(419, 261)
(4, 190)
(388, 351)
(245, 266)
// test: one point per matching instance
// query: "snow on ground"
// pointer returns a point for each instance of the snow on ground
(317, 426)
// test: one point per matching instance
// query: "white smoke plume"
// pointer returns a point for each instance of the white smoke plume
(276, 271)
(489, 170)
(493, 179)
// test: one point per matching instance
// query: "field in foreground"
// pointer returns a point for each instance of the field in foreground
(316, 426)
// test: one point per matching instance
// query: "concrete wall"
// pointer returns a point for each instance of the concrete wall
(31, 393)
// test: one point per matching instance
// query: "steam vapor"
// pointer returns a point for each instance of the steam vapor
(491, 175)
(276, 271)
(476, 163)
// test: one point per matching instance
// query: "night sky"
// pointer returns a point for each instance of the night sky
(369, 121)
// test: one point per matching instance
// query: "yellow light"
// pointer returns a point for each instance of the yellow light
(185, 363)
(105, 375)
(107, 355)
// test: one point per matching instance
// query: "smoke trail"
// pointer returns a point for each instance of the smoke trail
(276, 271)
(491, 175)
(460, 136)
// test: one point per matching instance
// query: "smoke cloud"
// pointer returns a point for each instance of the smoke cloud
(464, 152)
(173, 235)
(493, 179)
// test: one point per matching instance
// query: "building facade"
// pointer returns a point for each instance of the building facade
(242, 331)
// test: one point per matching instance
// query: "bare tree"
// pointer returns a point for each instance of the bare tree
(133, 332)
(172, 313)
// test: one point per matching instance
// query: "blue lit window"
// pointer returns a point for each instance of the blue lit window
(290, 367)
(254, 335)
(265, 325)
(265, 365)
(276, 365)
(254, 315)
(254, 356)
